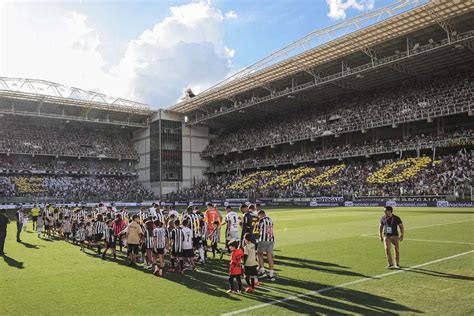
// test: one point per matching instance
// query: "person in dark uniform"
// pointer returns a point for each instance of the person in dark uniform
(4, 221)
(388, 234)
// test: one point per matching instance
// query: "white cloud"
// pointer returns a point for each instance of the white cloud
(185, 50)
(338, 8)
(60, 49)
(231, 15)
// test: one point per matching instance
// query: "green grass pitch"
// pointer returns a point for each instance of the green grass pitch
(316, 249)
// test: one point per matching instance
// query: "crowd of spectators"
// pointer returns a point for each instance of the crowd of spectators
(450, 174)
(46, 164)
(333, 151)
(46, 138)
(411, 100)
(74, 188)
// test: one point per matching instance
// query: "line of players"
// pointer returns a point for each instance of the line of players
(155, 232)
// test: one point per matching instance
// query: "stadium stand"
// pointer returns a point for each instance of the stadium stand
(64, 161)
(303, 153)
(448, 174)
(405, 101)
(41, 137)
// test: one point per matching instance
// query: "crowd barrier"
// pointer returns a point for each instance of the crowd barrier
(323, 201)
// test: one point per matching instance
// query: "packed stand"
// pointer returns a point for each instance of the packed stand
(421, 141)
(74, 188)
(406, 101)
(25, 137)
(446, 175)
(20, 163)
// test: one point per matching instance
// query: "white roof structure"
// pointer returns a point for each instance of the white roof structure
(51, 92)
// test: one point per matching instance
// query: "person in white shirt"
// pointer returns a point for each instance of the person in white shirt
(187, 245)
(152, 211)
(25, 222)
(232, 225)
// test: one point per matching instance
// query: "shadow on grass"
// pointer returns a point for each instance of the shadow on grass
(326, 267)
(331, 300)
(30, 246)
(312, 297)
(12, 262)
(442, 274)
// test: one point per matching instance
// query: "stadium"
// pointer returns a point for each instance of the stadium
(371, 113)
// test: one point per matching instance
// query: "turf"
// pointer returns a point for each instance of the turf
(315, 249)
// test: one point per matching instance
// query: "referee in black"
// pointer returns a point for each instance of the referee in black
(4, 221)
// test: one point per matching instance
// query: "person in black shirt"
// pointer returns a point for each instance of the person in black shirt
(3, 230)
(388, 233)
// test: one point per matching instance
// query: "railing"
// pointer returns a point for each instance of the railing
(436, 112)
(45, 199)
(349, 154)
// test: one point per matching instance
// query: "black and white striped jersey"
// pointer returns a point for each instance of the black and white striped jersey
(99, 227)
(143, 215)
(215, 236)
(160, 216)
(160, 236)
(148, 239)
(109, 235)
(204, 230)
(195, 224)
(266, 229)
(177, 239)
(81, 234)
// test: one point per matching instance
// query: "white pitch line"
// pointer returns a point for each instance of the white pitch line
(418, 227)
(441, 241)
(430, 240)
(326, 289)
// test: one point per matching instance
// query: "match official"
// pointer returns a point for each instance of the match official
(388, 234)
(4, 221)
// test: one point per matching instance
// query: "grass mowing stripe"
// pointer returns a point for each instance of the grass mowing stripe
(441, 241)
(418, 227)
(429, 240)
(326, 289)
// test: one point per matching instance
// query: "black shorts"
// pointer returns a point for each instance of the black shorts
(89, 238)
(251, 271)
(197, 242)
(67, 234)
(132, 248)
(110, 244)
(143, 248)
(204, 242)
(176, 253)
(159, 251)
(188, 253)
(117, 240)
(98, 237)
(34, 218)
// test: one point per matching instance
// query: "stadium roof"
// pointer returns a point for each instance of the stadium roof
(54, 93)
(272, 69)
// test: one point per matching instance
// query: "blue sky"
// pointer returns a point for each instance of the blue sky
(150, 51)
